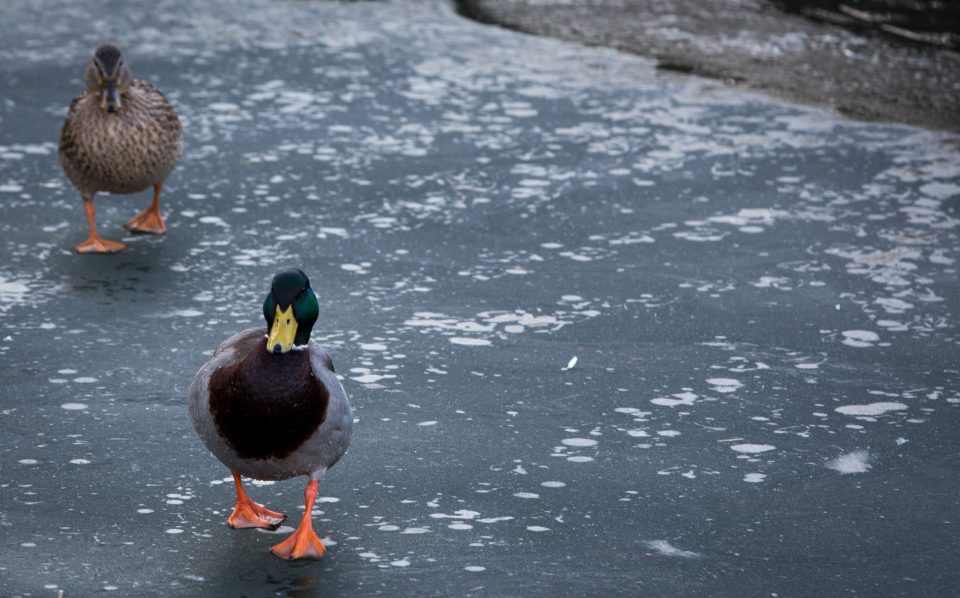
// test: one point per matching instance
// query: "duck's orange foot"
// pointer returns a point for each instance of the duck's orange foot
(97, 244)
(249, 514)
(148, 221)
(302, 544)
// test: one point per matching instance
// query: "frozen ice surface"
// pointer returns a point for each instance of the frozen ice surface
(476, 209)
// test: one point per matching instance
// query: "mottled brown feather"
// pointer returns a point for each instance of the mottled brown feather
(122, 152)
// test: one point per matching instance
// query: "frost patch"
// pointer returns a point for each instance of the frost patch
(469, 342)
(666, 549)
(752, 449)
(940, 190)
(681, 398)
(859, 338)
(855, 462)
(579, 442)
(12, 292)
(724, 384)
(871, 409)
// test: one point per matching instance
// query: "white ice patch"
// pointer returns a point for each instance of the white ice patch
(666, 549)
(494, 519)
(372, 378)
(859, 338)
(461, 514)
(579, 442)
(469, 342)
(178, 313)
(752, 449)
(940, 190)
(499, 323)
(754, 478)
(871, 409)
(214, 220)
(892, 305)
(751, 218)
(416, 530)
(855, 462)
(12, 292)
(724, 385)
(73, 406)
(682, 398)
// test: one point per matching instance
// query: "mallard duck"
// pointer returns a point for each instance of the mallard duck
(120, 136)
(270, 407)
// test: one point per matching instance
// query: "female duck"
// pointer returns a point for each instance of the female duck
(270, 407)
(120, 136)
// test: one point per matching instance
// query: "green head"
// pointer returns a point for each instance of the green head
(291, 310)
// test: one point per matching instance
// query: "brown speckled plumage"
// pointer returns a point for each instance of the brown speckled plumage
(125, 151)
(120, 136)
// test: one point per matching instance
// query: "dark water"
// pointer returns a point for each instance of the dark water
(930, 22)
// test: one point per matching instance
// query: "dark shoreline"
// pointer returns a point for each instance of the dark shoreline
(863, 75)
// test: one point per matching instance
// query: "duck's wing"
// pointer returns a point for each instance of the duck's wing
(71, 149)
(157, 106)
(228, 353)
(335, 432)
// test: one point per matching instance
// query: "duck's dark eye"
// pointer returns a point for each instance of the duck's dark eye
(288, 321)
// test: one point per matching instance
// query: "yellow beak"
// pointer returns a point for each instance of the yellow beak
(283, 332)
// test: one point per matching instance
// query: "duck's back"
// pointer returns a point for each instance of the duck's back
(122, 152)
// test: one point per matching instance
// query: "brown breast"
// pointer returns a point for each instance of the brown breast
(267, 405)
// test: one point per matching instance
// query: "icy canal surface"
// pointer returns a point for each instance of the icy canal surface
(605, 332)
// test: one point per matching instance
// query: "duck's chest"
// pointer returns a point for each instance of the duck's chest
(121, 153)
(267, 406)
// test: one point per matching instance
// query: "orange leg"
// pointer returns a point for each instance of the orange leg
(303, 543)
(249, 514)
(149, 220)
(95, 243)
